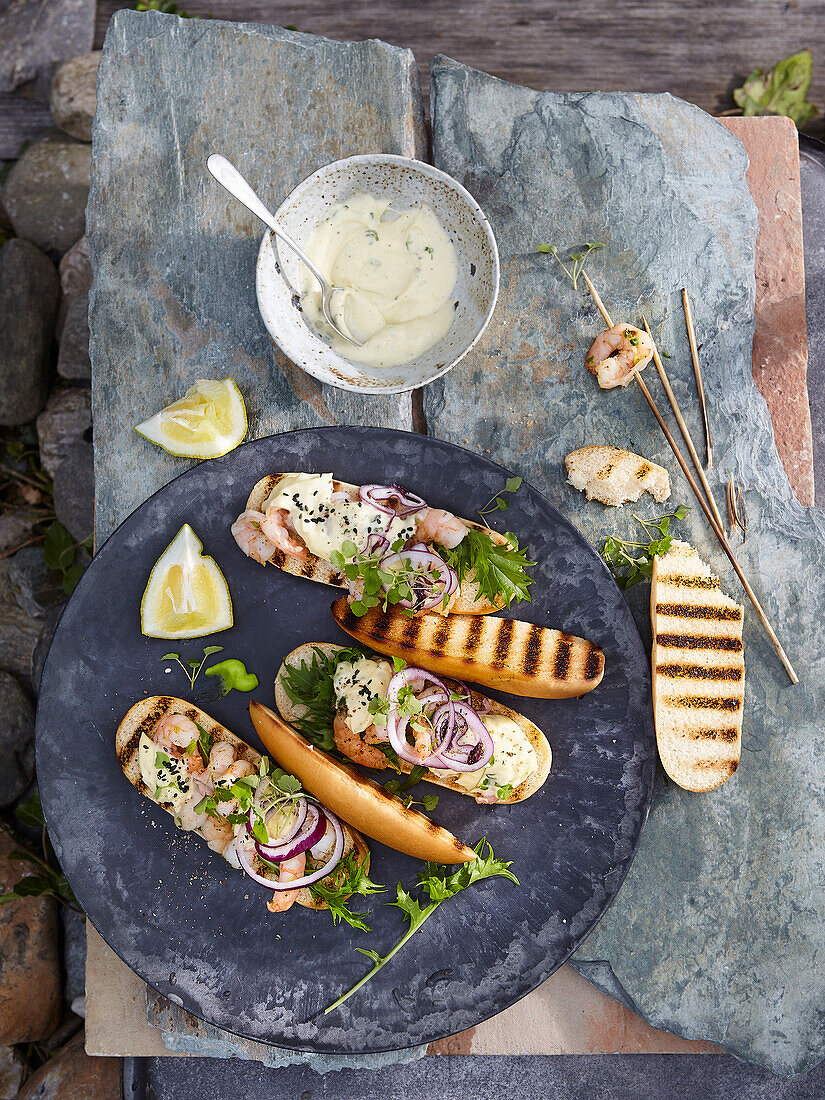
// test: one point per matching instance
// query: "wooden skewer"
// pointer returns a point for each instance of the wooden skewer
(680, 420)
(717, 530)
(697, 370)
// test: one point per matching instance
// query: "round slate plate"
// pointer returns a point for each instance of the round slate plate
(197, 930)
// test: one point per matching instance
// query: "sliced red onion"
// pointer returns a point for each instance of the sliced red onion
(309, 834)
(391, 499)
(293, 826)
(396, 731)
(470, 745)
(430, 591)
(244, 855)
(376, 544)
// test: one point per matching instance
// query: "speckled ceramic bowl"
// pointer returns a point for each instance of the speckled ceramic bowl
(408, 183)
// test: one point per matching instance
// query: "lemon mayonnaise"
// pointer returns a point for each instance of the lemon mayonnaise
(398, 271)
(166, 777)
(356, 684)
(326, 524)
(513, 760)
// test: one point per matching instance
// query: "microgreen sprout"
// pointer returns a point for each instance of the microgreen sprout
(193, 666)
(497, 503)
(577, 259)
(629, 569)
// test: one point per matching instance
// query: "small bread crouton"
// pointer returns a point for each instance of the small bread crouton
(615, 477)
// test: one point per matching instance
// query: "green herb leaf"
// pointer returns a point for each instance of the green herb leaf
(310, 687)
(781, 91)
(349, 879)
(439, 885)
(30, 812)
(629, 568)
(499, 570)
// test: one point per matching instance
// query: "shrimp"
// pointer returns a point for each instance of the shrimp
(247, 532)
(436, 525)
(217, 834)
(236, 770)
(188, 819)
(356, 748)
(276, 528)
(290, 870)
(618, 354)
(175, 732)
(221, 757)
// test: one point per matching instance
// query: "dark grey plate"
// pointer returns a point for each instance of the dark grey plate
(198, 931)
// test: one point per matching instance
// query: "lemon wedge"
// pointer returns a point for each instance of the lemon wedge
(186, 595)
(207, 422)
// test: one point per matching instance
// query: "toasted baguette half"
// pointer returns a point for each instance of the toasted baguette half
(698, 671)
(353, 796)
(615, 477)
(145, 715)
(521, 658)
(468, 600)
(291, 711)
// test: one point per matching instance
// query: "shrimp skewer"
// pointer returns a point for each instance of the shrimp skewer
(618, 354)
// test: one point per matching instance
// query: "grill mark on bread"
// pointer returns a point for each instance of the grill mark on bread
(698, 641)
(703, 702)
(561, 662)
(441, 637)
(728, 735)
(680, 580)
(474, 637)
(700, 611)
(532, 651)
(699, 672)
(412, 628)
(643, 471)
(728, 766)
(594, 664)
(503, 641)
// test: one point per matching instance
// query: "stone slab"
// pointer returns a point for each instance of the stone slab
(35, 36)
(728, 950)
(780, 344)
(156, 318)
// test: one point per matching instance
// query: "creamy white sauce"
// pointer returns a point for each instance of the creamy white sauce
(356, 684)
(324, 524)
(398, 272)
(168, 782)
(514, 758)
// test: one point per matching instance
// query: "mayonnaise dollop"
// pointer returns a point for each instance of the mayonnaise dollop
(514, 758)
(399, 271)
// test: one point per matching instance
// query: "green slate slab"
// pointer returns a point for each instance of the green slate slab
(717, 932)
(174, 256)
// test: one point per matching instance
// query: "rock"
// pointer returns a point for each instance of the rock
(30, 990)
(12, 1071)
(68, 1027)
(36, 36)
(73, 362)
(24, 121)
(44, 640)
(15, 528)
(74, 491)
(27, 592)
(64, 422)
(16, 740)
(46, 193)
(72, 1073)
(74, 955)
(73, 96)
(29, 290)
(75, 278)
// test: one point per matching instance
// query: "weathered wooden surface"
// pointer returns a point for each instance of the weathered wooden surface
(698, 51)
(163, 234)
(728, 950)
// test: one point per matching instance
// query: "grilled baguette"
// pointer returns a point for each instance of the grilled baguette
(292, 712)
(615, 477)
(468, 600)
(698, 671)
(145, 715)
(513, 656)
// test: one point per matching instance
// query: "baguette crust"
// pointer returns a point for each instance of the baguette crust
(512, 656)
(145, 715)
(698, 671)
(290, 712)
(468, 600)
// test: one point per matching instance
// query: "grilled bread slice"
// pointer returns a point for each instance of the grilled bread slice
(698, 671)
(468, 600)
(145, 715)
(615, 477)
(513, 656)
(291, 712)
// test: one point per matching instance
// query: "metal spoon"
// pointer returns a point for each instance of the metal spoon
(229, 177)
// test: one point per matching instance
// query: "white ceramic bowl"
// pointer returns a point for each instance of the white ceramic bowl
(408, 183)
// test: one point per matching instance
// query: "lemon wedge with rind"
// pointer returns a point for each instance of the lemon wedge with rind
(207, 422)
(186, 595)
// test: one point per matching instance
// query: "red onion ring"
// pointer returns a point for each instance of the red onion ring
(300, 810)
(306, 880)
(455, 755)
(310, 833)
(428, 592)
(396, 733)
(381, 496)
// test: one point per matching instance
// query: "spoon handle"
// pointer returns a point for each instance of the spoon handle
(229, 177)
